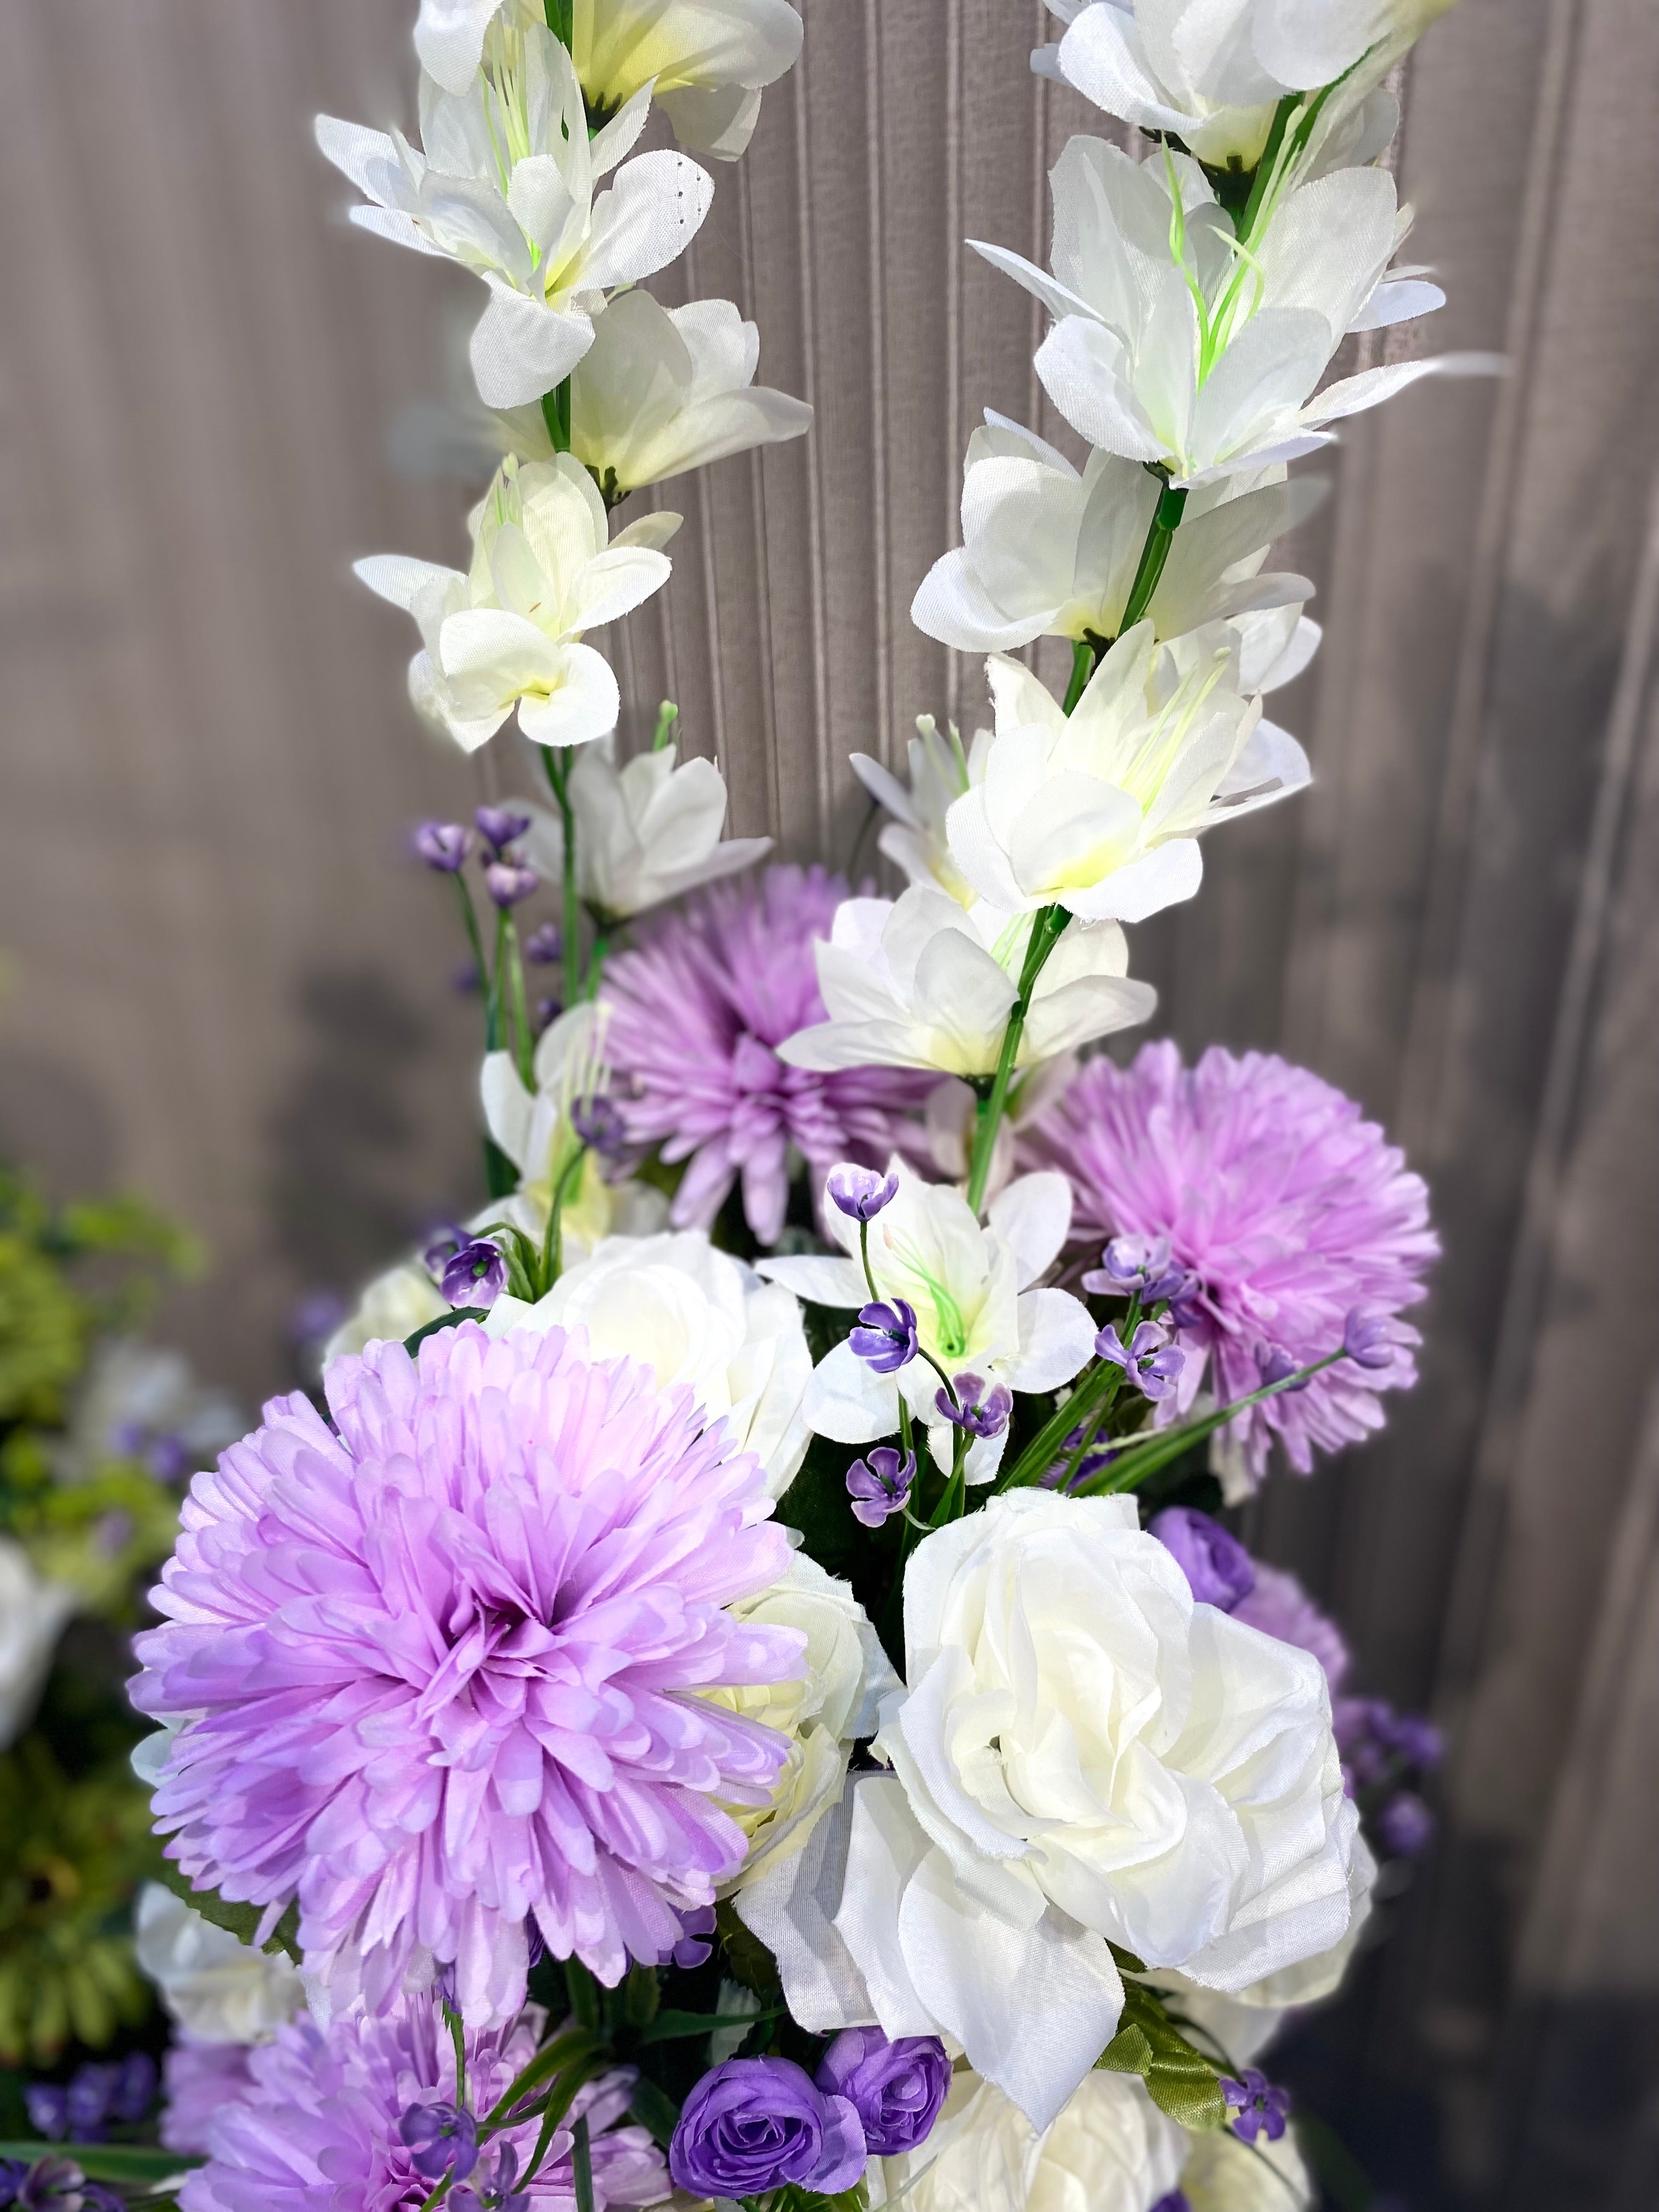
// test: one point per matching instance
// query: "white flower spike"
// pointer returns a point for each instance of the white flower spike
(709, 60)
(508, 634)
(504, 183)
(928, 983)
(940, 771)
(1100, 812)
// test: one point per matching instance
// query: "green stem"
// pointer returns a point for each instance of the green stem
(1166, 520)
(522, 1037)
(453, 2019)
(553, 1245)
(557, 762)
(497, 1024)
(561, 21)
(555, 411)
(1047, 927)
(470, 917)
(1099, 1382)
(581, 2162)
(1132, 1468)
(1085, 658)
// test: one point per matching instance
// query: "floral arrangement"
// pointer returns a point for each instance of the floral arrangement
(740, 1687)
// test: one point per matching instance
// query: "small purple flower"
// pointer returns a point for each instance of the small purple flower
(1176, 2201)
(544, 946)
(693, 1948)
(1219, 1568)
(860, 1192)
(1275, 1364)
(896, 2088)
(1151, 1363)
(443, 845)
(1255, 2106)
(472, 1273)
(441, 2140)
(879, 1484)
(984, 1413)
(886, 1336)
(501, 826)
(598, 1122)
(508, 882)
(47, 2106)
(56, 2183)
(1405, 1826)
(1375, 1340)
(1416, 1738)
(548, 1011)
(1141, 1264)
(755, 2124)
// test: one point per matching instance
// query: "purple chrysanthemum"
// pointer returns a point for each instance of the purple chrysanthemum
(1290, 1208)
(697, 1007)
(441, 1668)
(317, 2125)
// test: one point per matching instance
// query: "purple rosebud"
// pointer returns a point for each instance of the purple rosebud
(886, 1336)
(1373, 1340)
(47, 2106)
(443, 845)
(879, 1484)
(544, 946)
(500, 826)
(1151, 1363)
(1257, 2106)
(440, 2139)
(507, 883)
(1405, 1826)
(757, 2125)
(860, 1192)
(476, 1275)
(1275, 1364)
(1219, 1568)
(984, 1413)
(896, 2088)
(598, 1122)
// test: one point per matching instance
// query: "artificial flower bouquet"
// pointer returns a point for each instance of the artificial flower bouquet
(739, 1687)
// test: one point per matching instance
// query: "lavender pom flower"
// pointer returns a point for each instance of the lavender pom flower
(884, 1335)
(1221, 1571)
(755, 2124)
(861, 1193)
(336, 2103)
(879, 1484)
(444, 1664)
(896, 2088)
(697, 1007)
(1288, 1206)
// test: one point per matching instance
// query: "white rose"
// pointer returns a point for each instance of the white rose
(693, 1315)
(32, 1617)
(218, 1990)
(1110, 2150)
(1224, 2175)
(821, 1716)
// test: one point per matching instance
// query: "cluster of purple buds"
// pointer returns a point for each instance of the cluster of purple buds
(509, 882)
(440, 2139)
(1256, 2106)
(443, 845)
(1150, 1362)
(860, 1192)
(54, 2184)
(599, 1121)
(1144, 1268)
(81, 2109)
(544, 946)
(880, 1484)
(1383, 1752)
(1092, 1464)
(1221, 1571)
(695, 1945)
(501, 2195)
(469, 1271)
(968, 1404)
(884, 1336)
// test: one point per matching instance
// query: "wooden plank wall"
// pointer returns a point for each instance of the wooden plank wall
(226, 988)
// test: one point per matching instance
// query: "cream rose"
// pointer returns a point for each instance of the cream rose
(219, 1991)
(1224, 2175)
(1110, 2150)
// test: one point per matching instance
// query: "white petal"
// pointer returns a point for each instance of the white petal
(398, 578)
(848, 1401)
(886, 1847)
(509, 1108)
(449, 38)
(819, 1279)
(585, 706)
(1057, 1340)
(646, 219)
(1033, 1218)
(615, 582)
(1080, 365)
(1351, 395)
(1399, 301)
(792, 1906)
(522, 349)
(715, 119)
(1163, 877)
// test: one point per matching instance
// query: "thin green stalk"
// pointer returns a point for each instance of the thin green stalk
(1132, 1467)
(555, 413)
(498, 981)
(522, 1039)
(597, 955)
(469, 918)
(558, 763)
(1099, 1382)
(1084, 660)
(581, 2164)
(553, 1244)
(561, 21)
(453, 2020)
(1047, 929)
(1166, 520)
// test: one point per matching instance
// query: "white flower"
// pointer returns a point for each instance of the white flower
(928, 983)
(709, 60)
(1224, 2175)
(1100, 811)
(820, 1716)
(504, 184)
(1212, 75)
(218, 1990)
(1084, 1756)
(1175, 347)
(136, 1391)
(694, 1314)
(972, 1289)
(32, 1617)
(545, 569)
(1049, 553)
(645, 832)
(1110, 2150)
(940, 771)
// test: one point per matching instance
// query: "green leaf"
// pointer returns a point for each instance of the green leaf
(135, 2165)
(242, 1921)
(749, 1960)
(1180, 2081)
(655, 2109)
(452, 1320)
(669, 2026)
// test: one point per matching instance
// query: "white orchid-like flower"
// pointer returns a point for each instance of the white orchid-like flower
(504, 183)
(820, 1714)
(1110, 2150)
(940, 771)
(218, 1990)
(645, 832)
(924, 982)
(1100, 811)
(1212, 75)
(708, 60)
(1174, 346)
(1083, 1756)
(33, 1616)
(974, 1291)
(690, 1313)
(1048, 552)
(509, 633)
